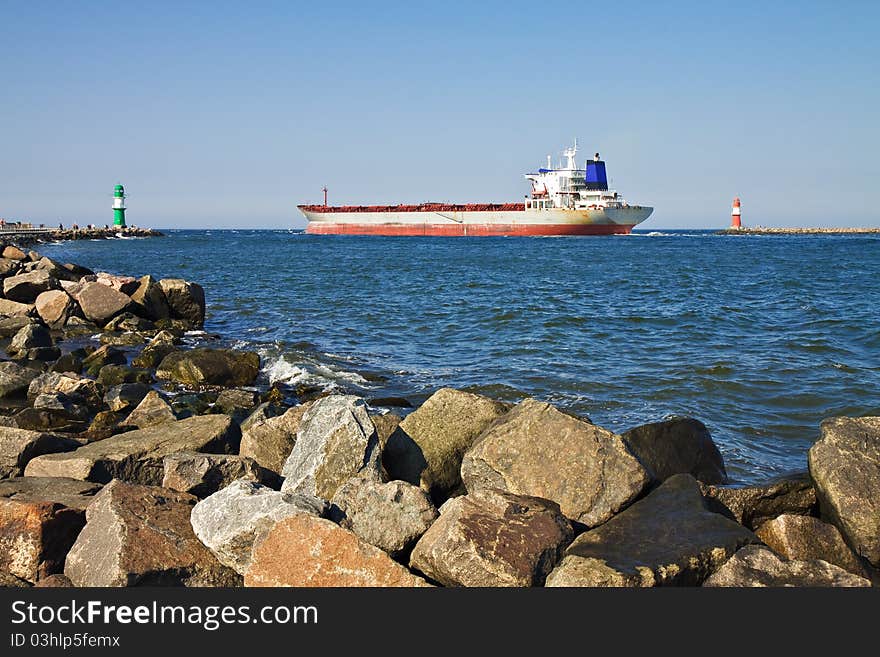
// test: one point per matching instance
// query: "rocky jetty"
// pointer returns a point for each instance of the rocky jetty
(132, 454)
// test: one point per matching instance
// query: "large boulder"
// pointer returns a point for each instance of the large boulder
(19, 446)
(14, 308)
(235, 401)
(203, 474)
(845, 467)
(212, 367)
(754, 505)
(100, 303)
(186, 300)
(102, 356)
(667, 538)
(138, 456)
(270, 441)
(336, 441)
(391, 516)
(54, 307)
(677, 446)
(232, 520)
(14, 253)
(141, 535)
(493, 538)
(427, 447)
(149, 299)
(804, 538)
(540, 451)
(9, 326)
(40, 519)
(152, 410)
(15, 379)
(303, 550)
(25, 288)
(757, 566)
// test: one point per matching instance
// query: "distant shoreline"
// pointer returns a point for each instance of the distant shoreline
(762, 230)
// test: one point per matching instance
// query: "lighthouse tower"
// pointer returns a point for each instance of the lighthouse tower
(735, 214)
(119, 206)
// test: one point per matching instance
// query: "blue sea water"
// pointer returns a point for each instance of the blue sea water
(760, 337)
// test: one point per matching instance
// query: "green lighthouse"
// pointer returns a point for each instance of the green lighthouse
(119, 206)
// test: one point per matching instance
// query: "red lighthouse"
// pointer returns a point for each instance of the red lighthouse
(735, 214)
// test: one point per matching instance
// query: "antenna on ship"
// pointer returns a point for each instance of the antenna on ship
(325, 195)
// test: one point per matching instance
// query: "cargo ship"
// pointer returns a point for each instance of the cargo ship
(566, 200)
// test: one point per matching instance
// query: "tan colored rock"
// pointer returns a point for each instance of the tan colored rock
(427, 448)
(204, 474)
(54, 307)
(386, 424)
(303, 550)
(493, 538)
(270, 441)
(25, 288)
(757, 566)
(40, 519)
(186, 300)
(14, 253)
(540, 451)
(138, 456)
(149, 299)
(14, 308)
(152, 410)
(100, 302)
(804, 538)
(845, 467)
(19, 446)
(141, 535)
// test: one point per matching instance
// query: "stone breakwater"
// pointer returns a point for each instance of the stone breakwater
(762, 230)
(29, 237)
(130, 456)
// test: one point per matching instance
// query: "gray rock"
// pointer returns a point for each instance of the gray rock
(428, 445)
(40, 519)
(204, 474)
(538, 450)
(234, 401)
(126, 395)
(263, 412)
(186, 300)
(141, 536)
(19, 446)
(66, 383)
(25, 288)
(232, 520)
(492, 538)
(757, 566)
(213, 367)
(31, 336)
(54, 307)
(149, 299)
(677, 446)
(129, 322)
(100, 302)
(753, 505)
(15, 379)
(804, 538)
(70, 408)
(106, 355)
(391, 516)
(152, 410)
(270, 441)
(845, 467)
(336, 440)
(137, 456)
(667, 538)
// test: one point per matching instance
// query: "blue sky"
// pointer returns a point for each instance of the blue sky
(229, 114)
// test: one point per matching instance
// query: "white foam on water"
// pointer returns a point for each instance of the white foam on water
(351, 377)
(279, 370)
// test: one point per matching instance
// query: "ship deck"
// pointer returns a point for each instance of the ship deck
(422, 207)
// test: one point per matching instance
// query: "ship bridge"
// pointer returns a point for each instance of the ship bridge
(571, 187)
